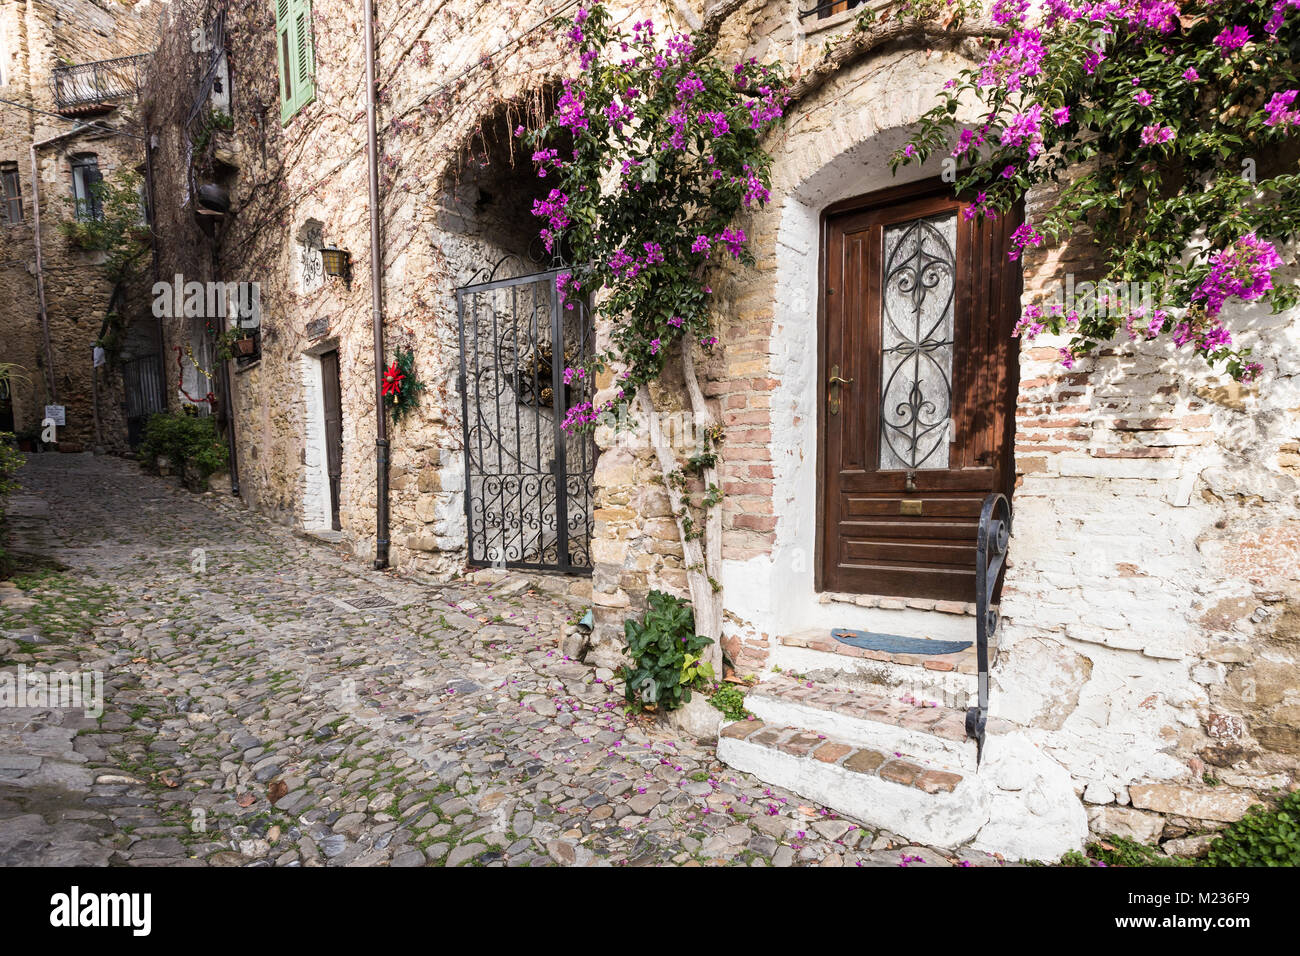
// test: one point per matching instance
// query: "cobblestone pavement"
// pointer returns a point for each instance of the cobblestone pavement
(263, 705)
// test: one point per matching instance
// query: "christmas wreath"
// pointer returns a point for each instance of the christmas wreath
(401, 388)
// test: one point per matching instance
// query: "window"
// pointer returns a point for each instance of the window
(293, 50)
(85, 176)
(828, 8)
(11, 187)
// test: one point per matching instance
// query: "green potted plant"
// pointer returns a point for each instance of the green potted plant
(236, 342)
(28, 438)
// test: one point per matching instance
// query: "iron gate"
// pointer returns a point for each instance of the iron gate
(528, 483)
(143, 386)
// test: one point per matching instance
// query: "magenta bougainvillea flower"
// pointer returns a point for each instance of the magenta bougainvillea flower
(1232, 38)
(1278, 110)
(1244, 270)
(1151, 135)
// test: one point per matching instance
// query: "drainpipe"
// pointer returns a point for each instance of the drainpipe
(227, 389)
(376, 299)
(40, 264)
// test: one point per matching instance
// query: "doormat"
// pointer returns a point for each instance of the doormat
(896, 643)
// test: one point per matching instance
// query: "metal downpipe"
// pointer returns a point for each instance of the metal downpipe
(376, 296)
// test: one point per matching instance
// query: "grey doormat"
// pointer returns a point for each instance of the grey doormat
(896, 643)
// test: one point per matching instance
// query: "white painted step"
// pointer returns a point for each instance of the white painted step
(1020, 803)
(921, 803)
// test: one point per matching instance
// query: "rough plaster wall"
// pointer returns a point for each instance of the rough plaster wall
(1155, 565)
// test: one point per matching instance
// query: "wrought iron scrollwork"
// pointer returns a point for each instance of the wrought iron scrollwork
(990, 555)
(528, 482)
(917, 343)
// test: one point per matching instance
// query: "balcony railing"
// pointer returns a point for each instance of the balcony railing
(87, 85)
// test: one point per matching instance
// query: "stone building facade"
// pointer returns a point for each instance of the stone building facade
(1144, 679)
(80, 121)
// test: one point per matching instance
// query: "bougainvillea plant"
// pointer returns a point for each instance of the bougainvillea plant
(653, 149)
(1177, 124)
(401, 390)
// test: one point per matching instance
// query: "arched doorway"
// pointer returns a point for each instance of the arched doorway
(528, 481)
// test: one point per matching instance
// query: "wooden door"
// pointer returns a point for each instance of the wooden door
(918, 371)
(329, 370)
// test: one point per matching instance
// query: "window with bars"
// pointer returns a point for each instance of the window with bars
(293, 50)
(11, 188)
(85, 178)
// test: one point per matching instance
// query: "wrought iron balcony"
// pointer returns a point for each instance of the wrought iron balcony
(88, 87)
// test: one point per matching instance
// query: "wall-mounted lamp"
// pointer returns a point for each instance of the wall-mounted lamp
(337, 263)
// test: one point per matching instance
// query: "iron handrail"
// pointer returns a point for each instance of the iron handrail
(97, 82)
(990, 556)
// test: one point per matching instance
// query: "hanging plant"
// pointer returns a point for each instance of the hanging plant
(402, 388)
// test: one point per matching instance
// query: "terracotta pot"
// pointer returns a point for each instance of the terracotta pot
(245, 346)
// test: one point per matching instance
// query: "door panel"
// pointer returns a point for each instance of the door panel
(919, 388)
(332, 393)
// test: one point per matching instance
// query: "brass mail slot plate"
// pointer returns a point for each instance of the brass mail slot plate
(911, 507)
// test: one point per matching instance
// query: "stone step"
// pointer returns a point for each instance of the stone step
(903, 794)
(961, 662)
(876, 717)
(949, 678)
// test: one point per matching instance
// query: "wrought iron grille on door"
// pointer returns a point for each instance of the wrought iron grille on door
(528, 483)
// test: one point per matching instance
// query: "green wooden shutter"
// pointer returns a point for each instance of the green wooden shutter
(293, 53)
(284, 56)
(306, 78)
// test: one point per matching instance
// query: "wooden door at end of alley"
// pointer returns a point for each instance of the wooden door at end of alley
(333, 398)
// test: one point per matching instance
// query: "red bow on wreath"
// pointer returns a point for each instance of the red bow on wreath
(393, 381)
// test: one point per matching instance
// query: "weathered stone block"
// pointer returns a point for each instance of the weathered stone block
(1223, 805)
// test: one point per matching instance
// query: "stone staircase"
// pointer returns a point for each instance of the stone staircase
(883, 740)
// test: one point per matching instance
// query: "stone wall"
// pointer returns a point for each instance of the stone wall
(39, 37)
(456, 198)
(1155, 568)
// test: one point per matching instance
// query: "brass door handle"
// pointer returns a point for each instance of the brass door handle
(833, 397)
